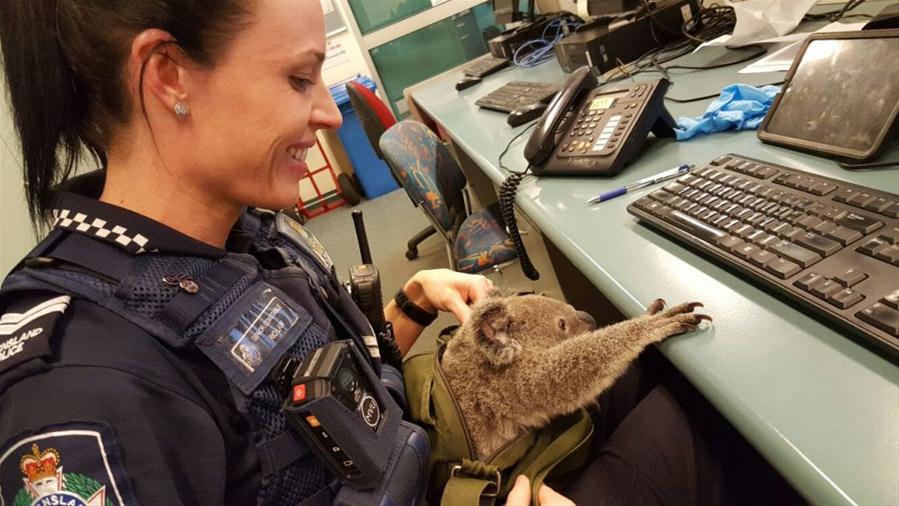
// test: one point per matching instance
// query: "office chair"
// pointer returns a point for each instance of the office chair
(475, 242)
(376, 117)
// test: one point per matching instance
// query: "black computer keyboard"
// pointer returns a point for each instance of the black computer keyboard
(830, 245)
(515, 94)
(485, 65)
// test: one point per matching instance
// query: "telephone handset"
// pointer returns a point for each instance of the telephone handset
(541, 143)
(590, 131)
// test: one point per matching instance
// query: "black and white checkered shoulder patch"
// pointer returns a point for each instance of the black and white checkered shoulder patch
(116, 234)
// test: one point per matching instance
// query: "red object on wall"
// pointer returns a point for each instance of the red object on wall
(320, 203)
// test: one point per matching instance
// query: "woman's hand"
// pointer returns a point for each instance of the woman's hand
(520, 495)
(446, 290)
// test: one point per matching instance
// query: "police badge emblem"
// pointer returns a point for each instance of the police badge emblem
(303, 238)
(32, 471)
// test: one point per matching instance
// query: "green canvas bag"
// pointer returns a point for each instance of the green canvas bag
(457, 478)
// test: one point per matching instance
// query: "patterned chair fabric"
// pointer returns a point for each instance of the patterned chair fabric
(426, 170)
(482, 242)
(431, 177)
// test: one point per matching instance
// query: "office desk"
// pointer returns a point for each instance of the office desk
(822, 408)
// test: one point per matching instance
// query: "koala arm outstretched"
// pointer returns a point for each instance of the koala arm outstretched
(569, 375)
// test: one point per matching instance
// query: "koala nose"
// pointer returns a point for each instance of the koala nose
(586, 318)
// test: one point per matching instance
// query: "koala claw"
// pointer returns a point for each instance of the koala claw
(686, 307)
(655, 307)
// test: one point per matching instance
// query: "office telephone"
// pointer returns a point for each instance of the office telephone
(587, 130)
(592, 131)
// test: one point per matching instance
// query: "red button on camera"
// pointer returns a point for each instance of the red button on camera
(299, 393)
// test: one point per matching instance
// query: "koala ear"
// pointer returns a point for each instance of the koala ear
(491, 325)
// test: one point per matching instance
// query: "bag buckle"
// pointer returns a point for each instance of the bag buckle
(496, 480)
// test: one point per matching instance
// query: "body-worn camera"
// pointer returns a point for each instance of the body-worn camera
(344, 414)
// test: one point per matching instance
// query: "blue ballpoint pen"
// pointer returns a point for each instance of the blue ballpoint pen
(658, 178)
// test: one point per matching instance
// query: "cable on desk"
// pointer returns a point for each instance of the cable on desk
(714, 95)
(709, 23)
(867, 165)
(507, 192)
(537, 51)
(838, 14)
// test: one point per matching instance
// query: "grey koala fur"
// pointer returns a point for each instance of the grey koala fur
(519, 361)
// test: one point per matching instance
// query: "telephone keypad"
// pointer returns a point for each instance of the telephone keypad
(613, 124)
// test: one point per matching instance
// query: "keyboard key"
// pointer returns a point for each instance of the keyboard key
(845, 195)
(845, 236)
(878, 204)
(851, 277)
(823, 289)
(743, 231)
(695, 227)
(889, 254)
(824, 227)
(861, 199)
(858, 222)
(891, 299)
(891, 236)
(845, 298)
(746, 250)
(809, 280)
(729, 242)
(821, 245)
(892, 211)
(782, 268)
(673, 187)
(762, 257)
(823, 188)
(882, 317)
(795, 253)
(661, 196)
(871, 247)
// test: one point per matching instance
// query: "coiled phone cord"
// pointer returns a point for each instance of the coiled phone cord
(507, 207)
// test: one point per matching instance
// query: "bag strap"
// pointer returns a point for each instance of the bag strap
(561, 447)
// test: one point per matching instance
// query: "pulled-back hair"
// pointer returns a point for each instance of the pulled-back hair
(65, 70)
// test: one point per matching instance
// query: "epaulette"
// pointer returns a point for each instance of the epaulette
(26, 327)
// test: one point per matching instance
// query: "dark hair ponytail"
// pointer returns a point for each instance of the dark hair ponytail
(64, 63)
(45, 106)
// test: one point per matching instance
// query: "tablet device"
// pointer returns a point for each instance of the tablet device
(840, 97)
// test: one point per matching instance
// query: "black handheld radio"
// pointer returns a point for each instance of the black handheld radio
(365, 289)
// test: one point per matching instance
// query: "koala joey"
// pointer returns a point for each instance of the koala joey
(519, 361)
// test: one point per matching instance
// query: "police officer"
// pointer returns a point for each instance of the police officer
(137, 339)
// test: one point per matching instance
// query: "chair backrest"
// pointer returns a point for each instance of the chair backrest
(374, 114)
(427, 171)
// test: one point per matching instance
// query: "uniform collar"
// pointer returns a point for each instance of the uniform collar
(78, 210)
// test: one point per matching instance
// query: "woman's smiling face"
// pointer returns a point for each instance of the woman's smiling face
(256, 111)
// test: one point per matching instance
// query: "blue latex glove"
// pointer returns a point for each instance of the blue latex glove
(740, 107)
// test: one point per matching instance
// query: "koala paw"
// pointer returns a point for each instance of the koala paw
(673, 321)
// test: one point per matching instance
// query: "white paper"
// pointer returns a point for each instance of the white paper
(758, 20)
(335, 54)
(782, 59)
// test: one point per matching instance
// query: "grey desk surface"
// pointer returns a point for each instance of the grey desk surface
(823, 409)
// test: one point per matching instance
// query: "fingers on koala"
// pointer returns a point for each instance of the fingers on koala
(492, 323)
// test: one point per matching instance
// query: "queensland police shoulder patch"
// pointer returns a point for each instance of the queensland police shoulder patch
(25, 331)
(64, 465)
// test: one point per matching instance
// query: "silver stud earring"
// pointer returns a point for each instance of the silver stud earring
(181, 109)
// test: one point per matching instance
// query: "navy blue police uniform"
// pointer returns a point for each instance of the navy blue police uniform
(135, 362)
